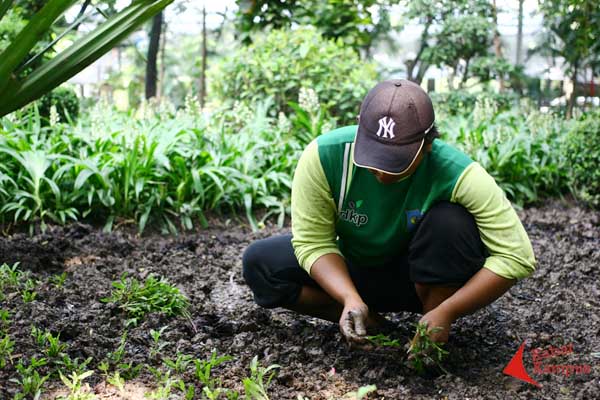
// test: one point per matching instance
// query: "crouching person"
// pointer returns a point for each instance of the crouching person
(387, 217)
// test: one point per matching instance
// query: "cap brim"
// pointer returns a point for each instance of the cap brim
(394, 160)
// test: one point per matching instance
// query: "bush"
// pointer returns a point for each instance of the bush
(278, 64)
(522, 151)
(583, 154)
(64, 99)
(460, 102)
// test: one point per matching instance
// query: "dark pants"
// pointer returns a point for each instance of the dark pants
(446, 250)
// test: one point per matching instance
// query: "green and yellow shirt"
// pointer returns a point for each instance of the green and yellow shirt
(340, 208)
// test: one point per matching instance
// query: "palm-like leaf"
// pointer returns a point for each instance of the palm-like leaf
(16, 93)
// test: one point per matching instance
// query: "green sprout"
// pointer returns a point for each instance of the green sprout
(424, 352)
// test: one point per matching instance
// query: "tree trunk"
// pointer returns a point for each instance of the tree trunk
(153, 55)
(163, 64)
(423, 66)
(520, 34)
(573, 95)
(465, 74)
(202, 91)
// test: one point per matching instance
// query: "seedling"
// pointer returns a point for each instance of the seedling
(59, 280)
(157, 345)
(55, 348)
(39, 336)
(211, 386)
(116, 380)
(361, 392)
(154, 295)
(28, 293)
(4, 319)
(424, 352)
(180, 364)
(75, 386)
(31, 382)
(255, 386)
(9, 276)
(382, 340)
(6, 349)
(73, 365)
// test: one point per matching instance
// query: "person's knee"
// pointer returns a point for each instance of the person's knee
(448, 220)
(251, 263)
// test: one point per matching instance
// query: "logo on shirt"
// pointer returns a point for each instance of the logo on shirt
(386, 128)
(412, 219)
(352, 215)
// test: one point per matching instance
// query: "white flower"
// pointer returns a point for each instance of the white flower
(309, 100)
(54, 117)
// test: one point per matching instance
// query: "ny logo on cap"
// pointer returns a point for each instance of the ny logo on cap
(387, 127)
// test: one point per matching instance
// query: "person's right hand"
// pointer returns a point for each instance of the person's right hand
(353, 323)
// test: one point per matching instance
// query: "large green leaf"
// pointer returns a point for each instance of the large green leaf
(4, 6)
(39, 24)
(79, 55)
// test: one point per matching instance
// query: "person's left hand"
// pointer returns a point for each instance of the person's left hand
(437, 317)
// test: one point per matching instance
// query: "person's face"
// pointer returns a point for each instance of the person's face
(387, 179)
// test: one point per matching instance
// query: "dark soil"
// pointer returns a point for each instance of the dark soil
(559, 304)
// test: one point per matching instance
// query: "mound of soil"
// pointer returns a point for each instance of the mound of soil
(558, 305)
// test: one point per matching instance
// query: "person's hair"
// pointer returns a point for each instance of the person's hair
(432, 134)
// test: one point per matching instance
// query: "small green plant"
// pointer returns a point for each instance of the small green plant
(424, 352)
(28, 293)
(10, 277)
(69, 364)
(157, 344)
(39, 336)
(30, 381)
(58, 280)
(211, 386)
(154, 295)
(74, 383)
(361, 392)
(165, 385)
(114, 361)
(6, 349)
(4, 319)
(256, 386)
(179, 364)
(382, 340)
(116, 380)
(54, 348)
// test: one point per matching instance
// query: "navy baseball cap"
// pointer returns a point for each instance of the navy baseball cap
(395, 118)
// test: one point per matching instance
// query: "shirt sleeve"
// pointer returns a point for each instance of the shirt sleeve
(313, 210)
(511, 254)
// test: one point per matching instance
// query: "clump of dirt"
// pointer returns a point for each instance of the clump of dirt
(558, 305)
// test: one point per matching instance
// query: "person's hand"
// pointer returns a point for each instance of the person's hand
(353, 323)
(436, 318)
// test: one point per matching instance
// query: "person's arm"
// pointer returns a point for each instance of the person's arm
(331, 273)
(314, 241)
(510, 253)
(481, 290)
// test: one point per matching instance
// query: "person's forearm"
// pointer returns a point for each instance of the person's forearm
(331, 273)
(482, 289)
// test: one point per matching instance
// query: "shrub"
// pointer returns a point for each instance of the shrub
(64, 99)
(583, 154)
(461, 102)
(153, 295)
(522, 152)
(279, 63)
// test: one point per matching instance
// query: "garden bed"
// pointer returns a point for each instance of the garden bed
(559, 305)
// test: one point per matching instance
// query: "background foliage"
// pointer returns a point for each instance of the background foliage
(279, 63)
